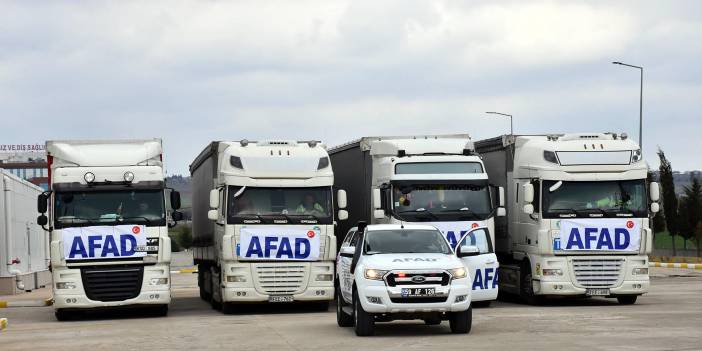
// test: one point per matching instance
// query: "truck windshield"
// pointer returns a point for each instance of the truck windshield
(271, 205)
(626, 198)
(405, 241)
(444, 202)
(83, 208)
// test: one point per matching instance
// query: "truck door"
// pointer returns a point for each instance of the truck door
(343, 264)
(477, 252)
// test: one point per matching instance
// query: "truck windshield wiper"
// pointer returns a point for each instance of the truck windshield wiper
(603, 212)
(463, 210)
(148, 221)
(423, 211)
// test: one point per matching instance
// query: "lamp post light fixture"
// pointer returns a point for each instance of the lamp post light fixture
(640, 100)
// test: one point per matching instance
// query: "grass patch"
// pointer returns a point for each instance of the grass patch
(663, 240)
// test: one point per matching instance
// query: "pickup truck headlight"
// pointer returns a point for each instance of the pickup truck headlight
(458, 273)
(374, 274)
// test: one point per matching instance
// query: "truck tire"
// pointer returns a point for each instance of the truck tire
(363, 322)
(214, 285)
(342, 318)
(627, 299)
(62, 315)
(461, 322)
(526, 287)
(201, 281)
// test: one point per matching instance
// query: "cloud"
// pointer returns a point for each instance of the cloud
(196, 71)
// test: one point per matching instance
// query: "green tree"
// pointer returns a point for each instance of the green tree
(185, 237)
(670, 200)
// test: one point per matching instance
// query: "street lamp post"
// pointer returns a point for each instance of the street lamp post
(640, 101)
(511, 126)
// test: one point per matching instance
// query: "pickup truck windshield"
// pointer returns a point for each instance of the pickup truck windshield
(441, 202)
(83, 208)
(292, 204)
(626, 198)
(405, 241)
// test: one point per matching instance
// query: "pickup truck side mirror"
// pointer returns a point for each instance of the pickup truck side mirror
(468, 250)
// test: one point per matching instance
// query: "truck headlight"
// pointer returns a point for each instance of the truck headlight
(640, 271)
(63, 285)
(236, 279)
(458, 273)
(550, 272)
(374, 274)
(159, 281)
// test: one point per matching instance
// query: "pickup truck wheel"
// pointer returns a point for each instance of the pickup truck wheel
(461, 322)
(342, 318)
(364, 324)
(627, 299)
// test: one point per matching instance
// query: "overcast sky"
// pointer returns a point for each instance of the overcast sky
(195, 71)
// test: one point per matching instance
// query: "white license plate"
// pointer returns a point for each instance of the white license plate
(597, 292)
(418, 292)
(280, 298)
(145, 248)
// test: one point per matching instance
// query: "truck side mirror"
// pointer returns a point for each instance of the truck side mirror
(378, 214)
(655, 207)
(501, 196)
(529, 194)
(175, 200)
(501, 212)
(214, 199)
(213, 215)
(342, 215)
(377, 203)
(42, 220)
(654, 191)
(341, 198)
(42, 202)
(528, 209)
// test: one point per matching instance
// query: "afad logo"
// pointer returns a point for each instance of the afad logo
(136, 229)
(315, 231)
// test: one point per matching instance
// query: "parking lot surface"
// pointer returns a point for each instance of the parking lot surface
(667, 318)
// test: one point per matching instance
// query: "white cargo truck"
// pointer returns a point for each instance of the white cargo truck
(578, 215)
(23, 245)
(263, 222)
(107, 220)
(437, 180)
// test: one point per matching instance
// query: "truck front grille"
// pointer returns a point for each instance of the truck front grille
(281, 279)
(417, 278)
(597, 273)
(112, 283)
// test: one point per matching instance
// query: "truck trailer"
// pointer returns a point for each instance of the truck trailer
(263, 222)
(106, 214)
(578, 208)
(23, 245)
(434, 179)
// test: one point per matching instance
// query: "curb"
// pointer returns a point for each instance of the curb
(185, 270)
(27, 303)
(676, 265)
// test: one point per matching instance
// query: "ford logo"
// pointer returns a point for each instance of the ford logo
(418, 279)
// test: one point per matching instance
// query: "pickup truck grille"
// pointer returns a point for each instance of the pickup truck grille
(597, 273)
(112, 283)
(412, 278)
(439, 299)
(281, 279)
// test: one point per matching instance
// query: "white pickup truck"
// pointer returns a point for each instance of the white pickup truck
(388, 272)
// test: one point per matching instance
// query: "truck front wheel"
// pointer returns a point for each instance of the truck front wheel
(363, 322)
(526, 286)
(627, 299)
(461, 322)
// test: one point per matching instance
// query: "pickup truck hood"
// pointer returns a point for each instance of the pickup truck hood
(411, 261)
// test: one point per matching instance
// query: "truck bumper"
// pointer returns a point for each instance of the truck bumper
(457, 291)
(573, 280)
(304, 281)
(76, 298)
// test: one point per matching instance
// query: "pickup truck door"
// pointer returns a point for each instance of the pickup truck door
(343, 265)
(477, 253)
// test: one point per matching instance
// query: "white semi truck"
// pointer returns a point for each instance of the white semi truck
(263, 222)
(578, 215)
(23, 245)
(434, 179)
(106, 213)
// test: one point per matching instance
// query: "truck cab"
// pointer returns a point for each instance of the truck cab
(107, 217)
(404, 271)
(579, 208)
